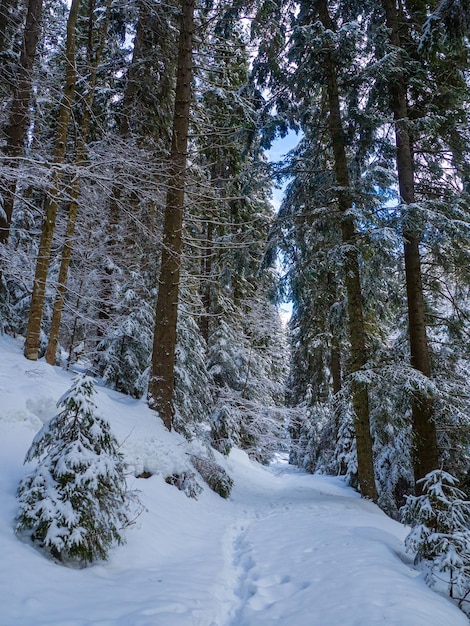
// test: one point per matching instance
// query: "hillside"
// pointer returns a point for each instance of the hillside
(287, 548)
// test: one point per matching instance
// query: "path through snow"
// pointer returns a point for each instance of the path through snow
(311, 553)
(287, 549)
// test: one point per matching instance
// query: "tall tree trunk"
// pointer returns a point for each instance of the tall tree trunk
(93, 58)
(33, 331)
(19, 118)
(357, 333)
(424, 428)
(161, 383)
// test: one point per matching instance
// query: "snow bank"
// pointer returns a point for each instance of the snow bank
(287, 548)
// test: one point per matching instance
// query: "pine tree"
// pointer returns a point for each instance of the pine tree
(75, 504)
(440, 534)
(123, 355)
(33, 332)
(424, 428)
(94, 51)
(162, 376)
(19, 117)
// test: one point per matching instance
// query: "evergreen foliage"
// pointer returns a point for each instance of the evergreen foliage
(308, 227)
(124, 353)
(193, 400)
(214, 475)
(260, 69)
(75, 505)
(440, 534)
(248, 373)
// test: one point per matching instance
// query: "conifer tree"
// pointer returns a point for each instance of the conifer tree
(75, 504)
(19, 115)
(424, 427)
(93, 57)
(440, 535)
(123, 355)
(33, 332)
(162, 376)
(307, 28)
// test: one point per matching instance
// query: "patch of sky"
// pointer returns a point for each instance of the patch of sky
(276, 155)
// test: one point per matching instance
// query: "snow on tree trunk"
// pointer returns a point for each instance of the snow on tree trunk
(357, 333)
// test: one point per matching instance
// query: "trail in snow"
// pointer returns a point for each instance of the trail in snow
(313, 554)
(287, 549)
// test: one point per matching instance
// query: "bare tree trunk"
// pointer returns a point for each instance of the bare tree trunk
(357, 334)
(424, 428)
(33, 331)
(161, 383)
(93, 57)
(19, 118)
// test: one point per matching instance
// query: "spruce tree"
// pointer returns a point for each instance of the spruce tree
(33, 332)
(440, 535)
(162, 375)
(75, 504)
(19, 115)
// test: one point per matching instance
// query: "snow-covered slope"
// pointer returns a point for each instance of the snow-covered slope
(287, 548)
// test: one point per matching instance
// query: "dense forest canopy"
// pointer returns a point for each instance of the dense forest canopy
(137, 232)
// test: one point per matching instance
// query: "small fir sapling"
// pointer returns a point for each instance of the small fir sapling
(440, 534)
(74, 505)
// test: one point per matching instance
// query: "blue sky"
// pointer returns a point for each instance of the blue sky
(276, 153)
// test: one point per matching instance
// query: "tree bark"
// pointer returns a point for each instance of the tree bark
(424, 428)
(93, 57)
(161, 383)
(19, 118)
(357, 333)
(33, 331)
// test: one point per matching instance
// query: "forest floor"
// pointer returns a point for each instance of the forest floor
(286, 548)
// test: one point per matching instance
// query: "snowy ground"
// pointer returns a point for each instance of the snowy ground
(288, 548)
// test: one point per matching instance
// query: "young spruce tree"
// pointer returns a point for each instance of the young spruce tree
(75, 504)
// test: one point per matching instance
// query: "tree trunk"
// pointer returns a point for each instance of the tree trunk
(161, 383)
(357, 333)
(93, 57)
(424, 428)
(19, 118)
(32, 342)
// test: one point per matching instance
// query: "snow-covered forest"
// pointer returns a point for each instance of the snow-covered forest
(141, 256)
(286, 547)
